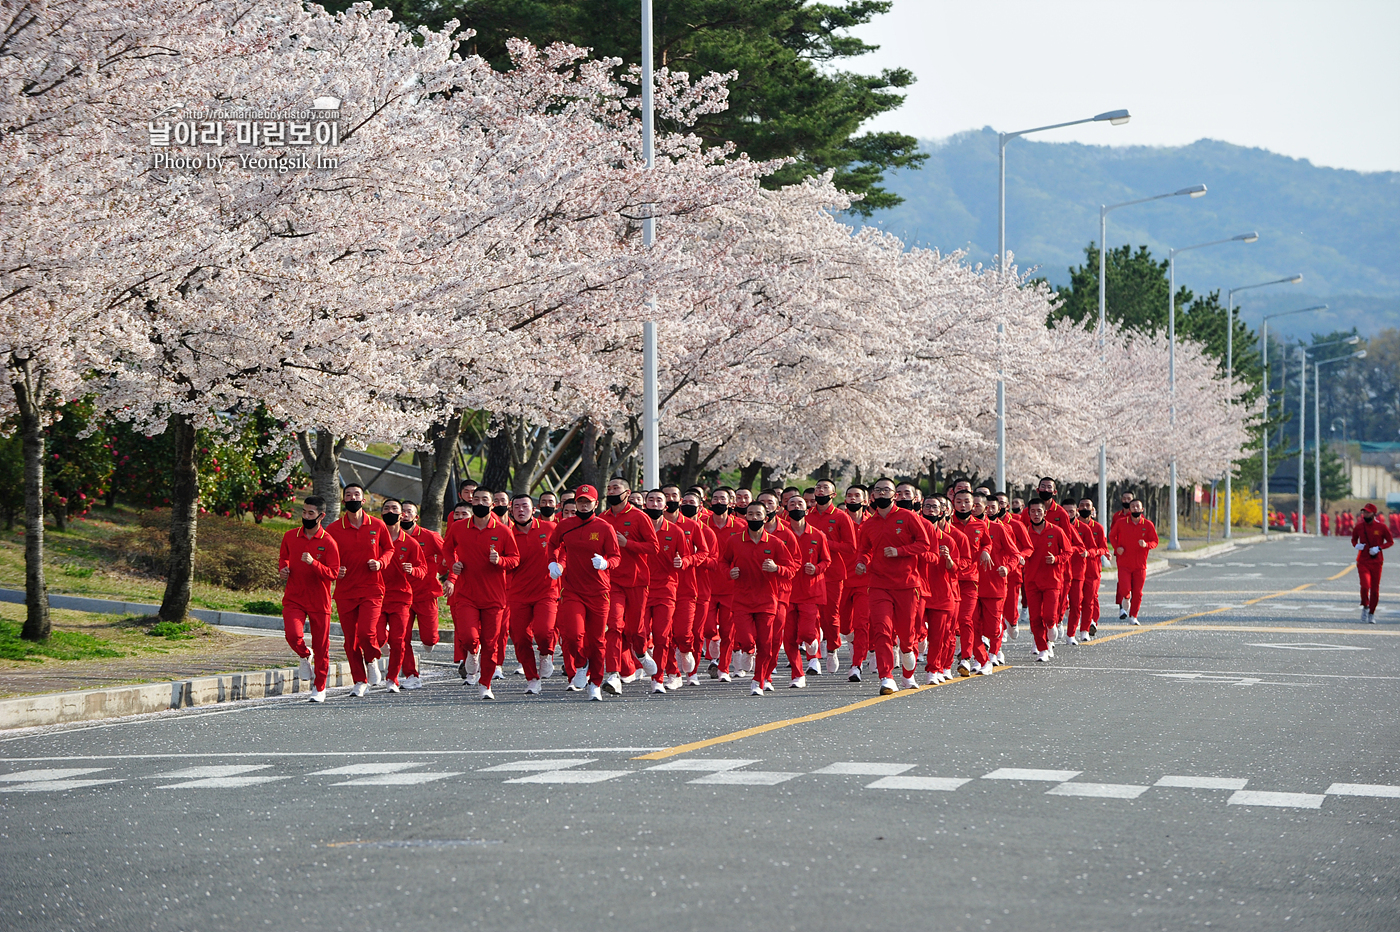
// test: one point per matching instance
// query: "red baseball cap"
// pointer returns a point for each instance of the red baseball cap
(1371, 507)
(586, 491)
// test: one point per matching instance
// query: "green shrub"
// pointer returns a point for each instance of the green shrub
(174, 630)
(61, 645)
(231, 553)
(77, 570)
(262, 607)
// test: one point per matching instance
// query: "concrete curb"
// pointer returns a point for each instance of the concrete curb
(1189, 558)
(79, 603)
(114, 701)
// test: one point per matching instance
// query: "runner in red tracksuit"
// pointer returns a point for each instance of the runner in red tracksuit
(309, 563)
(939, 567)
(887, 552)
(757, 561)
(853, 617)
(636, 539)
(991, 595)
(426, 592)
(1370, 538)
(1096, 544)
(664, 570)
(404, 567)
(1015, 581)
(966, 561)
(1078, 558)
(533, 597)
(364, 545)
(480, 552)
(1132, 539)
(585, 552)
(692, 592)
(834, 522)
(1049, 548)
(979, 542)
(719, 615)
(777, 526)
(802, 626)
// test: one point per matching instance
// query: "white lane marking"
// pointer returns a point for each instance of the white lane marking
(707, 765)
(1304, 645)
(1203, 783)
(35, 776)
(1282, 800)
(865, 769)
(397, 752)
(1329, 676)
(571, 776)
(1100, 790)
(946, 784)
(1364, 789)
(45, 786)
(1016, 773)
(557, 763)
(745, 778)
(223, 783)
(398, 779)
(199, 773)
(353, 769)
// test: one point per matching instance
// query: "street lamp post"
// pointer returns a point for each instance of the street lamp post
(1196, 190)
(1317, 420)
(1264, 354)
(1115, 117)
(1302, 435)
(1230, 377)
(1250, 237)
(651, 449)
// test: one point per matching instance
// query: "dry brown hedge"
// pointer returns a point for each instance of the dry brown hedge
(231, 553)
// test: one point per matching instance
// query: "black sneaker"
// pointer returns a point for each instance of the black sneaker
(714, 670)
(855, 675)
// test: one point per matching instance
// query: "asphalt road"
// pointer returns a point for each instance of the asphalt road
(1236, 767)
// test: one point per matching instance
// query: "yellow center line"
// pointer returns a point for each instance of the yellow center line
(1214, 611)
(1277, 630)
(800, 720)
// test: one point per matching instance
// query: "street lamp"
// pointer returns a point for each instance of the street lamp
(1317, 434)
(1264, 354)
(1115, 117)
(1346, 446)
(1230, 375)
(1196, 190)
(651, 450)
(1250, 237)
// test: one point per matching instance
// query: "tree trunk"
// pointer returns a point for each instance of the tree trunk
(29, 390)
(496, 475)
(765, 477)
(184, 523)
(749, 473)
(60, 517)
(588, 469)
(435, 469)
(324, 465)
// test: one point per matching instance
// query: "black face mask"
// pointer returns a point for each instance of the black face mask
(390, 520)
(614, 501)
(690, 511)
(991, 515)
(906, 504)
(1085, 513)
(1368, 517)
(353, 507)
(756, 524)
(882, 503)
(500, 510)
(719, 508)
(797, 514)
(1127, 505)
(654, 513)
(546, 511)
(823, 500)
(583, 515)
(310, 523)
(854, 508)
(1046, 497)
(1135, 514)
(407, 525)
(673, 507)
(481, 511)
(963, 515)
(1016, 511)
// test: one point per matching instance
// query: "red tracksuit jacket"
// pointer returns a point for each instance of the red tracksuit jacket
(813, 548)
(990, 583)
(840, 531)
(664, 577)
(529, 581)
(907, 533)
(721, 586)
(975, 530)
(641, 544)
(573, 544)
(694, 583)
(481, 582)
(941, 583)
(755, 590)
(1046, 540)
(359, 545)
(430, 586)
(1373, 534)
(1097, 544)
(309, 585)
(1126, 534)
(398, 585)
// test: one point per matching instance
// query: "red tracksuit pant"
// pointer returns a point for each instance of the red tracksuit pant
(1042, 604)
(478, 628)
(581, 628)
(1076, 606)
(1011, 608)
(1088, 602)
(986, 624)
(829, 614)
(891, 610)
(1369, 573)
(660, 620)
(763, 626)
(397, 616)
(801, 626)
(940, 640)
(1130, 582)
(531, 630)
(967, 613)
(685, 636)
(425, 613)
(855, 620)
(626, 627)
(293, 617)
(358, 620)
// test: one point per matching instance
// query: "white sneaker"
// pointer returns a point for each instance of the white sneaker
(813, 648)
(472, 667)
(1123, 611)
(833, 663)
(799, 683)
(687, 664)
(1132, 620)
(1370, 618)
(375, 676)
(546, 666)
(724, 677)
(532, 687)
(305, 672)
(1042, 656)
(855, 675)
(427, 650)
(594, 693)
(412, 682)
(768, 686)
(887, 687)
(579, 681)
(674, 682)
(648, 665)
(965, 667)
(1364, 613)
(633, 676)
(358, 690)
(612, 685)
(714, 648)
(814, 666)
(741, 662)
(318, 695)
(931, 679)
(1001, 658)
(908, 682)
(1051, 651)
(392, 686)
(519, 670)
(1084, 637)
(485, 692)
(976, 668)
(658, 687)
(987, 669)
(756, 689)
(1025, 616)
(1013, 631)
(907, 659)
(693, 680)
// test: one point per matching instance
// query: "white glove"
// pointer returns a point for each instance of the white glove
(599, 562)
(555, 571)
(1360, 547)
(1374, 550)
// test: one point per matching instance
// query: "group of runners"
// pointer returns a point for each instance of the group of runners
(666, 585)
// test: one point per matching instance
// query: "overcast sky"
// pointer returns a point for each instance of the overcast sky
(1317, 80)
